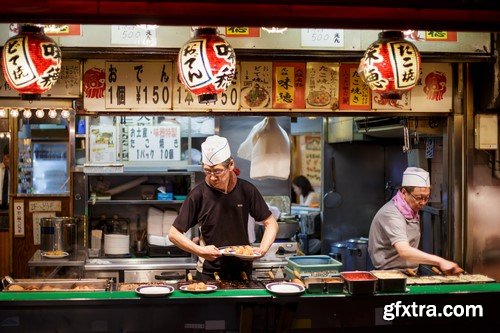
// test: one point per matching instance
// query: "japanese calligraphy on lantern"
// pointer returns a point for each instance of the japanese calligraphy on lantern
(229, 100)
(310, 148)
(354, 94)
(434, 89)
(289, 81)
(256, 85)
(68, 84)
(139, 85)
(154, 143)
(322, 85)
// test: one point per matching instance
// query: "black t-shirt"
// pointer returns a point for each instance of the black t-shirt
(223, 218)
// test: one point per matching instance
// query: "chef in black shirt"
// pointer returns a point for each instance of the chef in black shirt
(220, 206)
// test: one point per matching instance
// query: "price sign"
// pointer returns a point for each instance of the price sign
(322, 37)
(139, 85)
(154, 143)
(133, 35)
(229, 100)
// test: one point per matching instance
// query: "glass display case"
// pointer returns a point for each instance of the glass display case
(43, 156)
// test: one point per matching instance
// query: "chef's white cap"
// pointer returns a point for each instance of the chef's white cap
(215, 150)
(416, 177)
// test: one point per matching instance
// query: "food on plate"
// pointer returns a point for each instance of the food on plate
(200, 286)
(246, 250)
(15, 287)
(256, 97)
(318, 98)
(54, 253)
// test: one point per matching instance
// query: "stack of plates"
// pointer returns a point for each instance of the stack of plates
(116, 244)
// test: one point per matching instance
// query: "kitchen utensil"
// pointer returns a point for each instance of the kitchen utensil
(436, 270)
(410, 272)
(332, 198)
(285, 288)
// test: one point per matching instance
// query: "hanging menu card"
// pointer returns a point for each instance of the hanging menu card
(289, 85)
(354, 93)
(322, 85)
(256, 85)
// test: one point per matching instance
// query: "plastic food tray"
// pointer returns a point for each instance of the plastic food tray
(360, 282)
(307, 264)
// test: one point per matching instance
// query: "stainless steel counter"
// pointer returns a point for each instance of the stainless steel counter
(118, 264)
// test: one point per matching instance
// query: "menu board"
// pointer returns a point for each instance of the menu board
(185, 100)
(256, 85)
(138, 85)
(322, 85)
(310, 148)
(154, 143)
(354, 93)
(289, 80)
(102, 144)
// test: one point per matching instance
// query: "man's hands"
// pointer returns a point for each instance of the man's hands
(450, 268)
(209, 252)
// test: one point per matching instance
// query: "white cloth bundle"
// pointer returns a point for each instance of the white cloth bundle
(271, 153)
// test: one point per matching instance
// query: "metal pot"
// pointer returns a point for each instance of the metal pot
(58, 233)
(287, 229)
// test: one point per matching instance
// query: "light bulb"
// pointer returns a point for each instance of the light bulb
(14, 113)
(3, 114)
(27, 113)
(39, 113)
(65, 113)
(52, 113)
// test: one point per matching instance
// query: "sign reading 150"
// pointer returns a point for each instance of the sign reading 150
(143, 94)
(229, 97)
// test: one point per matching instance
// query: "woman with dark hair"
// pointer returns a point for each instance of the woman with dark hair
(304, 190)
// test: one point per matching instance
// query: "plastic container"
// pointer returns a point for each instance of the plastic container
(360, 282)
(308, 264)
(315, 285)
(334, 285)
(390, 281)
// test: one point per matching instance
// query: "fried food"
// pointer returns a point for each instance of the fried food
(15, 287)
(200, 286)
(256, 97)
(246, 250)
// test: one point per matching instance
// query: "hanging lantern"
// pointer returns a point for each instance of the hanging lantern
(207, 64)
(31, 62)
(391, 65)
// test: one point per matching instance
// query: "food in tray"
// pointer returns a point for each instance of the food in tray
(422, 280)
(389, 274)
(15, 287)
(256, 97)
(318, 98)
(476, 278)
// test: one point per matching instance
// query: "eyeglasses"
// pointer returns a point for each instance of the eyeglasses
(216, 173)
(420, 199)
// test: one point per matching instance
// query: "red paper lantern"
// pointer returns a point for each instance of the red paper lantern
(31, 62)
(207, 64)
(391, 65)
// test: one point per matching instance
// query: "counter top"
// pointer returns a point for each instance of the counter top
(74, 259)
(147, 263)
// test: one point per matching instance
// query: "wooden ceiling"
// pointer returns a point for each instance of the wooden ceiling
(458, 15)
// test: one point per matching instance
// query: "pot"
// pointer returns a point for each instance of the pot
(287, 229)
(58, 233)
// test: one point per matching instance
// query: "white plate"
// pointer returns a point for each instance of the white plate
(227, 251)
(154, 291)
(210, 287)
(54, 256)
(285, 288)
